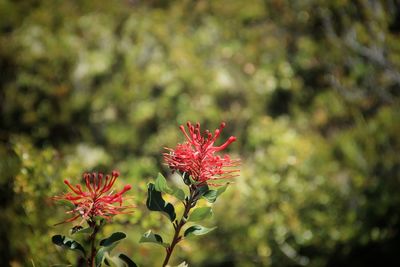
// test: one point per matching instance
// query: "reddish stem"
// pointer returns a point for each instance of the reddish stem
(92, 240)
(178, 226)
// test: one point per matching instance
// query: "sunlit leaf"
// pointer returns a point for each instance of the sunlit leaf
(197, 230)
(200, 214)
(162, 186)
(150, 237)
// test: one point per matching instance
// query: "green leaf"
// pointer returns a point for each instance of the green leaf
(115, 237)
(162, 186)
(212, 195)
(186, 178)
(111, 261)
(197, 230)
(127, 260)
(81, 230)
(155, 202)
(108, 244)
(99, 259)
(117, 261)
(200, 214)
(150, 237)
(191, 181)
(202, 190)
(68, 243)
(178, 193)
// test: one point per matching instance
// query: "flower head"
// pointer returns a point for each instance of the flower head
(197, 156)
(98, 199)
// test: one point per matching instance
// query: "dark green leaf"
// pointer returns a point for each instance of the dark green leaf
(150, 237)
(155, 202)
(197, 230)
(186, 178)
(68, 243)
(115, 237)
(107, 245)
(127, 260)
(202, 190)
(200, 214)
(212, 195)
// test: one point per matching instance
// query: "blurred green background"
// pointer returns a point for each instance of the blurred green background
(310, 88)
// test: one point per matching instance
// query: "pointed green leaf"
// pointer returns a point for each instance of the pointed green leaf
(222, 189)
(108, 244)
(99, 259)
(115, 237)
(212, 195)
(150, 237)
(197, 230)
(127, 260)
(162, 186)
(81, 230)
(200, 214)
(202, 190)
(68, 243)
(155, 202)
(178, 193)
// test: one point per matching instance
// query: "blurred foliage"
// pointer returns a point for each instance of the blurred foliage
(310, 88)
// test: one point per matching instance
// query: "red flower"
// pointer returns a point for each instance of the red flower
(197, 156)
(97, 200)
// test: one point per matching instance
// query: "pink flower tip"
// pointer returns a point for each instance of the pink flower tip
(115, 173)
(127, 187)
(232, 139)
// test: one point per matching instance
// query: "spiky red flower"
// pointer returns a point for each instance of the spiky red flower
(97, 200)
(197, 156)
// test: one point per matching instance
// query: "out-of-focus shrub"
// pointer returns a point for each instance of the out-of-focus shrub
(310, 88)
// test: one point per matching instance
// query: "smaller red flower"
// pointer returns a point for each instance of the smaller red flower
(197, 156)
(97, 200)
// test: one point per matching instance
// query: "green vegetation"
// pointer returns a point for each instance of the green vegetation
(310, 88)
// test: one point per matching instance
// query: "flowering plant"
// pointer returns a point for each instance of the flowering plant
(197, 160)
(95, 206)
(200, 167)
